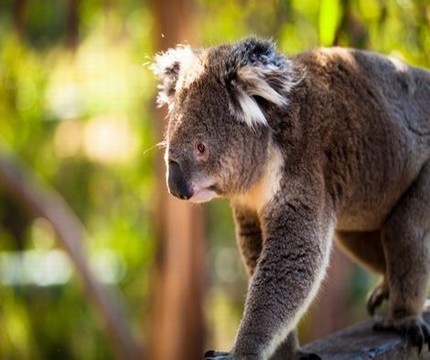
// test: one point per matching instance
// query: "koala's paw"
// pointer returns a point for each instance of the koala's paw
(302, 355)
(379, 293)
(412, 328)
(217, 355)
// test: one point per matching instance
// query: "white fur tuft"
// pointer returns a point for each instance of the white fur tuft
(256, 78)
(174, 68)
(182, 55)
(269, 82)
(251, 112)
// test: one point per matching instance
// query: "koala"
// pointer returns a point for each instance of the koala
(329, 144)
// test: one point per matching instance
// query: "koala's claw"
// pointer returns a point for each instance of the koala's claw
(307, 356)
(217, 355)
(376, 297)
(220, 355)
(412, 328)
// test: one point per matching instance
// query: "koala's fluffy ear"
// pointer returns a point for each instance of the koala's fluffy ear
(256, 71)
(168, 67)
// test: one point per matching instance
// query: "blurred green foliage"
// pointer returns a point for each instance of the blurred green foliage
(81, 118)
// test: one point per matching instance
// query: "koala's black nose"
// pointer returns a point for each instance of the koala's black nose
(177, 183)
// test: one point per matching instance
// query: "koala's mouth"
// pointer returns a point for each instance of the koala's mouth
(204, 194)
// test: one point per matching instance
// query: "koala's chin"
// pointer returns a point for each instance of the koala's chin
(203, 195)
(199, 195)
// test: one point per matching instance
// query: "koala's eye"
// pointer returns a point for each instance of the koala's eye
(201, 151)
(201, 148)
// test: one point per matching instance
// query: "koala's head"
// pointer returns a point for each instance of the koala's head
(218, 131)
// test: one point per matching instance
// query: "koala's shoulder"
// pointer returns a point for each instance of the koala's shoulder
(353, 62)
(324, 61)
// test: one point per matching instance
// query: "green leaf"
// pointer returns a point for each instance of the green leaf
(329, 17)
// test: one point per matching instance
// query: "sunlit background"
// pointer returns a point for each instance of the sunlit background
(77, 109)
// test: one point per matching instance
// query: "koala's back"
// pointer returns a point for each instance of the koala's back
(372, 117)
(405, 88)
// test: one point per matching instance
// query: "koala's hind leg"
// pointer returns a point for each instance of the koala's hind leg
(405, 237)
(366, 248)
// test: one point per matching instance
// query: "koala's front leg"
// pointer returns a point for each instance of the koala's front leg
(250, 241)
(297, 237)
(248, 236)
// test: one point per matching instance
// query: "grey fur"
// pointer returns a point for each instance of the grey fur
(346, 153)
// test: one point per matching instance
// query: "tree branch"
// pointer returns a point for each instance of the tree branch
(40, 201)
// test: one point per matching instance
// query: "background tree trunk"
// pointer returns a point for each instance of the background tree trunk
(177, 328)
(19, 17)
(73, 24)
